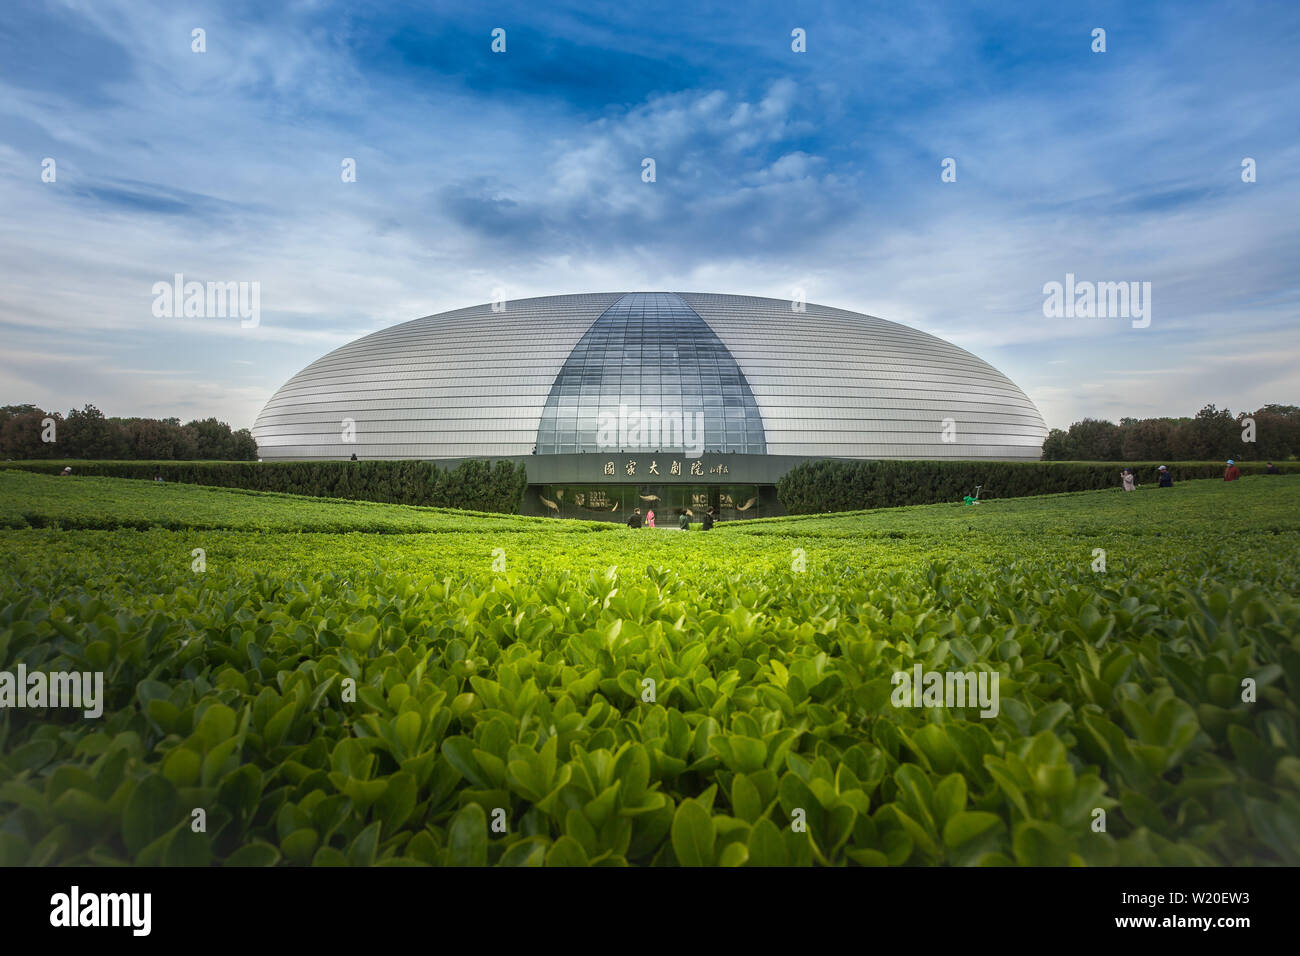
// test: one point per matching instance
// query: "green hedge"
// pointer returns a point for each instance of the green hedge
(471, 485)
(818, 487)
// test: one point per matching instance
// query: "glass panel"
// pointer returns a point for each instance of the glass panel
(653, 354)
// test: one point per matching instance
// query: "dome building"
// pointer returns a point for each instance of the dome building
(650, 399)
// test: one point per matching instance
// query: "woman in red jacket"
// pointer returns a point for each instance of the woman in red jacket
(1233, 472)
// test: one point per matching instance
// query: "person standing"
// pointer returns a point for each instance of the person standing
(684, 521)
(1232, 472)
(634, 519)
(1127, 477)
(650, 518)
(1166, 479)
(707, 523)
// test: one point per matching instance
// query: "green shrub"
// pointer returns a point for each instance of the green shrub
(363, 699)
(471, 485)
(818, 487)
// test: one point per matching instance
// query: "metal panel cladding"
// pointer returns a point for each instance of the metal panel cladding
(466, 383)
(837, 384)
(805, 380)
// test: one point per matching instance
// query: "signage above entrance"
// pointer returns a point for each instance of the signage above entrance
(654, 466)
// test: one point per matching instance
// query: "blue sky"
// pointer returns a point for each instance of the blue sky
(776, 170)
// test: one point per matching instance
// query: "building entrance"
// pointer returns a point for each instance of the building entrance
(616, 502)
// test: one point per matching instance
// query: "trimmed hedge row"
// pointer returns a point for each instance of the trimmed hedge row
(819, 487)
(471, 485)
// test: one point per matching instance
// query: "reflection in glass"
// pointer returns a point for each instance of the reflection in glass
(652, 353)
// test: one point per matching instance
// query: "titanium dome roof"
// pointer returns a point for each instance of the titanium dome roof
(820, 383)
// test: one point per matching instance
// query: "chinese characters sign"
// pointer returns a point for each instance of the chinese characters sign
(634, 467)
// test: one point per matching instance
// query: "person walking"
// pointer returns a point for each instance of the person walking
(650, 518)
(684, 521)
(1232, 472)
(634, 519)
(1166, 479)
(1127, 476)
(707, 523)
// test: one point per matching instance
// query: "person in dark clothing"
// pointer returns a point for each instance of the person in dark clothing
(1232, 472)
(634, 519)
(354, 457)
(707, 523)
(684, 521)
(1166, 479)
(1272, 469)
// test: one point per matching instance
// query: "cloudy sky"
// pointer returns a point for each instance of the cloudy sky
(522, 170)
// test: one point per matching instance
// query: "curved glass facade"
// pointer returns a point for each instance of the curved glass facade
(648, 362)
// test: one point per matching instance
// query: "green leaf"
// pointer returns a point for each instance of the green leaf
(279, 724)
(188, 848)
(868, 857)
(566, 851)
(467, 837)
(967, 825)
(949, 797)
(741, 754)
(529, 852)
(692, 834)
(216, 725)
(299, 845)
(766, 846)
(83, 810)
(407, 731)
(254, 854)
(1036, 843)
(362, 850)
(459, 752)
(745, 799)
(633, 768)
(31, 756)
(182, 767)
(329, 856)
(734, 854)
(152, 810)
(398, 801)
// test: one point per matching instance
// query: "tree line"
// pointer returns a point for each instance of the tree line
(28, 432)
(1271, 433)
